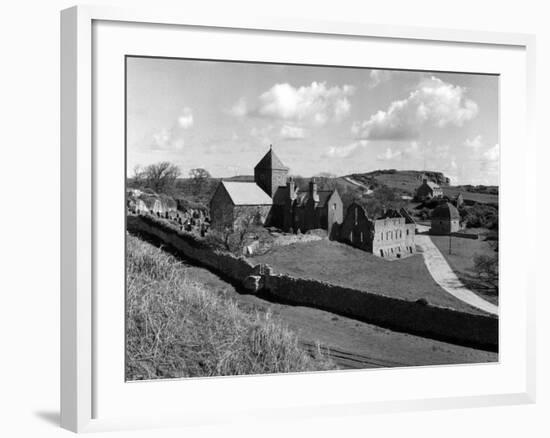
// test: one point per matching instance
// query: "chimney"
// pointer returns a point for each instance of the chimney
(291, 187)
(313, 190)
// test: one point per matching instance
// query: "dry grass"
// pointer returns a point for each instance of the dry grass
(177, 328)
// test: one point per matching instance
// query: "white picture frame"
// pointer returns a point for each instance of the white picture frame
(79, 216)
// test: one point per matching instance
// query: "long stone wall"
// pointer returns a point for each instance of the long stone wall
(235, 268)
(412, 317)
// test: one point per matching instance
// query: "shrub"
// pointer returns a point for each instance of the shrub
(480, 215)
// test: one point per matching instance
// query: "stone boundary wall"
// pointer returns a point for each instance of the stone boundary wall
(465, 235)
(449, 325)
(412, 317)
(236, 268)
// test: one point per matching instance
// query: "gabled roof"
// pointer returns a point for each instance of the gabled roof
(432, 185)
(270, 161)
(246, 193)
(407, 216)
(303, 197)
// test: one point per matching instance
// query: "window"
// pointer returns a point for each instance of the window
(355, 215)
(381, 236)
(361, 237)
(334, 206)
(407, 231)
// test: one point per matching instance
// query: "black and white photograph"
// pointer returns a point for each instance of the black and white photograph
(285, 218)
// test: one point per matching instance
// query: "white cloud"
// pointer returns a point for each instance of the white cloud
(474, 143)
(389, 155)
(291, 132)
(240, 108)
(413, 147)
(316, 103)
(442, 150)
(185, 120)
(376, 77)
(490, 160)
(433, 103)
(344, 151)
(492, 154)
(262, 134)
(165, 140)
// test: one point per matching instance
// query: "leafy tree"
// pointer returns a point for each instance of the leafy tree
(199, 177)
(382, 199)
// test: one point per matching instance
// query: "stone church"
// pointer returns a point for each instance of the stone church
(277, 200)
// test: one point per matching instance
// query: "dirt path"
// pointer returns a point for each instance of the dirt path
(447, 279)
(358, 184)
(352, 344)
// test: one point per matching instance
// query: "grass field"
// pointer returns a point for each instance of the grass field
(344, 265)
(461, 261)
(176, 327)
(350, 343)
(483, 198)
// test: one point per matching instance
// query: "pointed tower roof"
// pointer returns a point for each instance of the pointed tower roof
(271, 161)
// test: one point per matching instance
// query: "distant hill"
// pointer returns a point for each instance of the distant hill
(468, 195)
(405, 181)
(241, 178)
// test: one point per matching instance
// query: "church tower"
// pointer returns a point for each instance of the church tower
(270, 173)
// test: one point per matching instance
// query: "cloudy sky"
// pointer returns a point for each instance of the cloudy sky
(223, 116)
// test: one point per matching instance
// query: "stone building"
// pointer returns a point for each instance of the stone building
(306, 209)
(236, 202)
(270, 173)
(459, 200)
(428, 190)
(390, 236)
(445, 219)
(290, 207)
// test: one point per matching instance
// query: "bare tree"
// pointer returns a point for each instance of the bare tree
(233, 239)
(161, 177)
(138, 173)
(486, 268)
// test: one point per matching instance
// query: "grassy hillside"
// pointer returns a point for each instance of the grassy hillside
(407, 181)
(176, 327)
(343, 265)
(482, 198)
(402, 180)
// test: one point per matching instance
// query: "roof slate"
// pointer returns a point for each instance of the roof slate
(271, 161)
(303, 197)
(446, 211)
(246, 193)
